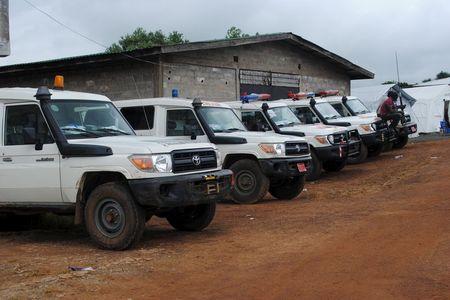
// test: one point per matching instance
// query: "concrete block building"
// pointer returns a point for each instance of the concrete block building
(218, 70)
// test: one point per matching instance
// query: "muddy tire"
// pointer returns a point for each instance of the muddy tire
(334, 165)
(401, 142)
(362, 156)
(376, 150)
(315, 168)
(251, 185)
(289, 188)
(113, 218)
(192, 218)
(388, 146)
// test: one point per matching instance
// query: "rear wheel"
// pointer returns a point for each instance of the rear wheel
(251, 185)
(362, 156)
(113, 219)
(192, 218)
(289, 188)
(401, 142)
(315, 168)
(334, 165)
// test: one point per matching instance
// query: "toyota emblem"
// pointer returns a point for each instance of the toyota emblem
(196, 160)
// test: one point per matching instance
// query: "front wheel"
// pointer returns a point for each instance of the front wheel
(362, 156)
(289, 188)
(192, 218)
(376, 150)
(315, 168)
(251, 185)
(401, 142)
(334, 165)
(113, 219)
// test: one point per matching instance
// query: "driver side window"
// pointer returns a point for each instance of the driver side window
(25, 125)
(306, 115)
(255, 121)
(182, 122)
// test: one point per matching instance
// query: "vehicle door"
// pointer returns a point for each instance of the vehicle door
(30, 159)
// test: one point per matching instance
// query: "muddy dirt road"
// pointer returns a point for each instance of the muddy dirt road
(380, 230)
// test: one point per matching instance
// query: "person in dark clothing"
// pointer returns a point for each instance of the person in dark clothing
(388, 111)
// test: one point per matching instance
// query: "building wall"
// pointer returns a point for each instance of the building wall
(315, 73)
(118, 81)
(192, 81)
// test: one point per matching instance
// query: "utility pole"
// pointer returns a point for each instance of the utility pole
(4, 28)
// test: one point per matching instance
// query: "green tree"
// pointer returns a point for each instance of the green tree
(426, 80)
(442, 75)
(389, 82)
(140, 39)
(235, 33)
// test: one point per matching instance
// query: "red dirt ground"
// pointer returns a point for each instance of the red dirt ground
(379, 230)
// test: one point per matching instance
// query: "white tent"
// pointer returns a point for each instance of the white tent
(429, 108)
(372, 96)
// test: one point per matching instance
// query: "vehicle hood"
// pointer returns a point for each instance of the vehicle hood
(357, 120)
(314, 129)
(262, 137)
(141, 144)
(368, 115)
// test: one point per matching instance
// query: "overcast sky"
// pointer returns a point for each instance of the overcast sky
(366, 32)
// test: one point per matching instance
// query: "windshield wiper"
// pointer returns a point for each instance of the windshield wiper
(113, 130)
(80, 130)
(234, 129)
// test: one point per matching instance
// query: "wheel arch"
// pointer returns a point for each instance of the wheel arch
(88, 182)
(232, 158)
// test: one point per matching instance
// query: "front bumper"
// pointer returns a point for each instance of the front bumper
(334, 152)
(407, 129)
(376, 138)
(182, 190)
(284, 167)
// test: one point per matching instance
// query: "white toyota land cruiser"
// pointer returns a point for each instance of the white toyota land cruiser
(260, 161)
(74, 153)
(349, 106)
(330, 145)
(320, 111)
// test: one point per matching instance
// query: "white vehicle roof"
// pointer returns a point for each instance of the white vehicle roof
(166, 101)
(17, 95)
(254, 105)
(338, 99)
(302, 102)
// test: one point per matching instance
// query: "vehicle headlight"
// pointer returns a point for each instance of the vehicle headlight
(161, 163)
(367, 128)
(322, 139)
(219, 158)
(276, 149)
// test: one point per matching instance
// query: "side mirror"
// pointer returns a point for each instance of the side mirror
(190, 130)
(39, 144)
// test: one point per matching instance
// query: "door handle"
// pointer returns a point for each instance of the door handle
(7, 159)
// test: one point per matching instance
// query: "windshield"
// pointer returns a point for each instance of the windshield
(221, 119)
(283, 116)
(357, 106)
(79, 119)
(327, 111)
